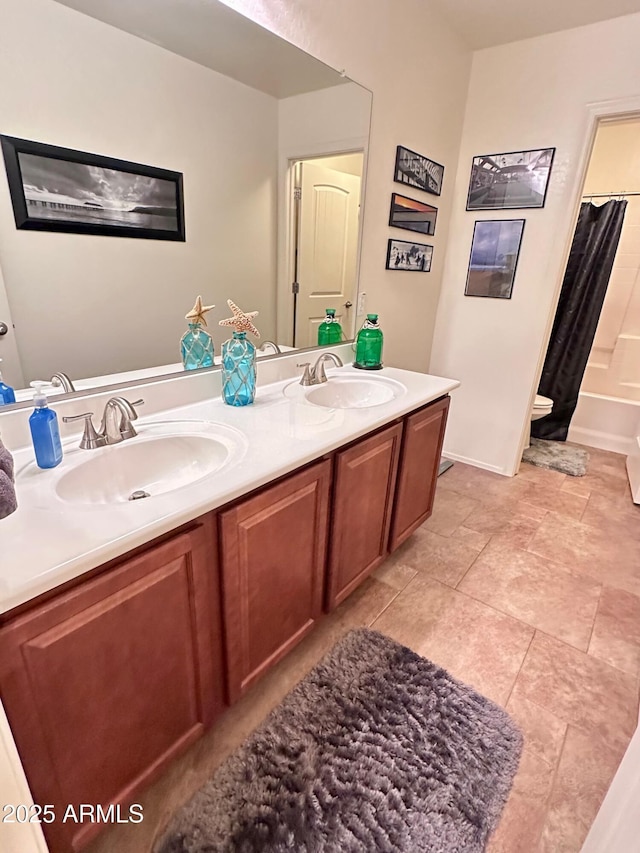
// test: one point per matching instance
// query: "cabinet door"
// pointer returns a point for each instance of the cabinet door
(273, 556)
(363, 496)
(105, 684)
(418, 472)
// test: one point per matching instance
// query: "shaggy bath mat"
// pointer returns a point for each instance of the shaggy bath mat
(557, 456)
(377, 749)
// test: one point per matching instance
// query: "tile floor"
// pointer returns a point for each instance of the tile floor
(526, 588)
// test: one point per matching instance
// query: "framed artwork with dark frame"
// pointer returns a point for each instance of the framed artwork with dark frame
(511, 181)
(418, 171)
(412, 215)
(494, 257)
(410, 257)
(60, 189)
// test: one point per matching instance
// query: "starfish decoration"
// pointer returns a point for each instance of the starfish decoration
(241, 320)
(196, 315)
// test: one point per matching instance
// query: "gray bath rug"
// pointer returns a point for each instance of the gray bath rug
(377, 749)
(558, 456)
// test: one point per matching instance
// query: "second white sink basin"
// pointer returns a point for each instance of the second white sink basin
(160, 459)
(349, 391)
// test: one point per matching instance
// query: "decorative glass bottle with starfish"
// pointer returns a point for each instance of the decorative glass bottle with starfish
(239, 359)
(196, 345)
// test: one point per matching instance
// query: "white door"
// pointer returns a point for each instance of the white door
(10, 367)
(327, 249)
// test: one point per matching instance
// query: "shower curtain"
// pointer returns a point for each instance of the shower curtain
(583, 290)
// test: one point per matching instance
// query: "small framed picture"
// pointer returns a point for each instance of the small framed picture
(494, 257)
(418, 171)
(515, 180)
(411, 257)
(412, 215)
(60, 189)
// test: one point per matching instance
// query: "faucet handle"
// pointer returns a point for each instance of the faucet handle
(90, 438)
(306, 376)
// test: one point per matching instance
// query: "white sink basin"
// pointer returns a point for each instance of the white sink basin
(163, 457)
(349, 392)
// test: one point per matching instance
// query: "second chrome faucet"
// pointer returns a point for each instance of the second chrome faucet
(316, 375)
(115, 427)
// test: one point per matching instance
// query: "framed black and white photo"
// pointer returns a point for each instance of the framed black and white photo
(494, 257)
(59, 189)
(412, 215)
(411, 257)
(418, 171)
(514, 180)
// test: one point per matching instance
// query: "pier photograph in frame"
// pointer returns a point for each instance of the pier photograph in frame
(60, 189)
(412, 215)
(511, 181)
(418, 171)
(494, 257)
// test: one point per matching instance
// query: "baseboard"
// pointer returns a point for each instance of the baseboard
(601, 440)
(455, 457)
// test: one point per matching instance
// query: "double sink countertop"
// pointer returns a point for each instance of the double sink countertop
(53, 538)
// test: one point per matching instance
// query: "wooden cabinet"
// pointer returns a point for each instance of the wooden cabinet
(365, 476)
(418, 471)
(273, 557)
(104, 684)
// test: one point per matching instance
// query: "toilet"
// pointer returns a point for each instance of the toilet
(541, 406)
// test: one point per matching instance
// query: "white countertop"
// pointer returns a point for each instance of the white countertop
(49, 541)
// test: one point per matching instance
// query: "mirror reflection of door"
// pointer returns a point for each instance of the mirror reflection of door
(327, 243)
(10, 366)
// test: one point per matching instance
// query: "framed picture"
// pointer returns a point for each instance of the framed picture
(412, 257)
(413, 215)
(494, 257)
(418, 171)
(514, 180)
(59, 189)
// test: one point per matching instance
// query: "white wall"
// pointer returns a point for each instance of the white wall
(418, 72)
(529, 94)
(69, 80)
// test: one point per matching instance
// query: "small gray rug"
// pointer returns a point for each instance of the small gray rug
(377, 749)
(558, 456)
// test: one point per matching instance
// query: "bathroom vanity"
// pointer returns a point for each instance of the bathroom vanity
(152, 616)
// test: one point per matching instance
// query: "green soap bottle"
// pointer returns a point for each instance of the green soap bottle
(369, 345)
(330, 330)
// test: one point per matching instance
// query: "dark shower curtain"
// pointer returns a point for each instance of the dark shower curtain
(583, 290)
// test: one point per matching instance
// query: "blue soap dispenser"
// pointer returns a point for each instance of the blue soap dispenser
(45, 431)
(7, 394)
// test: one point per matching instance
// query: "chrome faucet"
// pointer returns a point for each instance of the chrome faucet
(271, 344)
(316, 375)
(61, 380)
(115, 427)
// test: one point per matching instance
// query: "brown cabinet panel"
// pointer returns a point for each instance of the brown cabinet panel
(273, 557)
(418, 471)
(363, 498)
(105, 684)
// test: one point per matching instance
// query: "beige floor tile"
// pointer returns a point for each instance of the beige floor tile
(543, 476)
(536, 591)
(616, 633)
(449, 511)
(586, 768)
(480, 484)
(580, 689)
(614, 484)
(555, 500)
(614, 516)
(543, 732)
(472, 538)
(445, 558)
(394, 573)
(517, 533)
(490, 518)
(473, 642)
(610, 559)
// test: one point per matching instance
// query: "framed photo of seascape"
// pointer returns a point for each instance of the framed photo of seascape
(411, 257)
(418, 171)
(494, 257)
(412, 215)
(59, 189)
(515, 180)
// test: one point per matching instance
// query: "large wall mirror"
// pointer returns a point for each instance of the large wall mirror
(272, 145)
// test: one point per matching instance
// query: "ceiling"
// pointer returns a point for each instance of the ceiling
(484, 23)
(213, 35)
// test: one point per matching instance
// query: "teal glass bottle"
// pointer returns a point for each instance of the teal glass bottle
(238, 370)
(196, 348)
(330, 330)
(369, 345)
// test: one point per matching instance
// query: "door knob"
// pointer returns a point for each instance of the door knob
(348, 304)
(3, 329)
